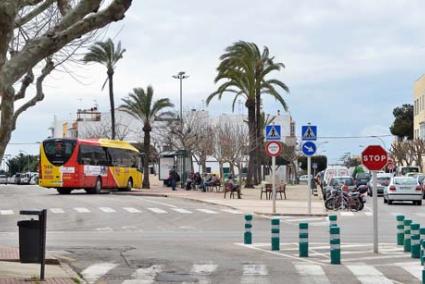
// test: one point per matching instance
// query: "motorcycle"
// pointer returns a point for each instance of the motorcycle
(342, 198)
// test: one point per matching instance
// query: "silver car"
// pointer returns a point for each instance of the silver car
(403, 188)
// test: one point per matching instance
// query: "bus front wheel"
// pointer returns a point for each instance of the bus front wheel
(97, 187)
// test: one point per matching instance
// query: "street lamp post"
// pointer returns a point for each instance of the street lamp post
(181, 75)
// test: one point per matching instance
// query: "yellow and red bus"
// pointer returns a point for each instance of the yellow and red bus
(93, 165)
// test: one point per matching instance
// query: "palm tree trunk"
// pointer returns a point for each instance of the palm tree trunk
(250, 104)
(258, 134)
(146, 147)
(111, 100)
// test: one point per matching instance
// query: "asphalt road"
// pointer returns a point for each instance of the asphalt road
(131, 239)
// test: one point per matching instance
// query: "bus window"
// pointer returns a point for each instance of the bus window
(92, 155)
(58, 152)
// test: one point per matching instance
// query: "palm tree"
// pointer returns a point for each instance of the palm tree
(244, 69)
(140, 105)
(105, 53)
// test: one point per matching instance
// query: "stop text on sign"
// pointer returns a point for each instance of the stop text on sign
(374, 158)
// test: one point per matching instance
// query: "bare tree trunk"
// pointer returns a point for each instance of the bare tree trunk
(111, 101)
(250, 104)
(146, 146)
(6, 123)
(220, 165)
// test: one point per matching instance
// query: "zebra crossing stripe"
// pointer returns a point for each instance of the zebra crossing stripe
(414, 268)
(82, 210)
(312, 273)
(203, 269)
(367, 274)
(255, 270)
(347, 214)
(368, 214)
(144, 275)
(132, 210)
(57, 210)
(208, 211)
(107, 210)
(6, 212)
(94, 272)
(181, 210)
(157, 211)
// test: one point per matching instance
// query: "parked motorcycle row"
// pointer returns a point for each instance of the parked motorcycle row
(341, 197)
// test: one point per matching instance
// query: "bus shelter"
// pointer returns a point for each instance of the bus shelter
(180, 160)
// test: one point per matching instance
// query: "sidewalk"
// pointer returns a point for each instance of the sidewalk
(12, 271)
(295, 204)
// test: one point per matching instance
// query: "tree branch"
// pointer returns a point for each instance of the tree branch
(34, 13)
(39, 96)
(23, 3)
(64, 6)
(28, 79)
(48, 44)
(80, 11)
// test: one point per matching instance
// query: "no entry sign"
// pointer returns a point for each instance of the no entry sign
(273, 148)
(374, 157)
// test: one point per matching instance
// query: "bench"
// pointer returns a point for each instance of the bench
(229, 188)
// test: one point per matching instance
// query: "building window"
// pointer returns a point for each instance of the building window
(421, 131)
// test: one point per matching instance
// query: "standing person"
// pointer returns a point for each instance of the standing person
(173, 178)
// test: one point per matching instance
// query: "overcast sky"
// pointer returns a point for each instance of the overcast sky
(348, 63)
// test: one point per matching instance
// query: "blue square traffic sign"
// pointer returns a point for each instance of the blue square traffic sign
(273, 133)
(309, 132)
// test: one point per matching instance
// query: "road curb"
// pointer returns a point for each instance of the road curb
(140, 194)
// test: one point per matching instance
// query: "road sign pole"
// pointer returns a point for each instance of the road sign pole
(274, 183)
(375, 213)
(309, 183)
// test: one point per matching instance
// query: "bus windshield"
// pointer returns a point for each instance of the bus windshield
(58, 151)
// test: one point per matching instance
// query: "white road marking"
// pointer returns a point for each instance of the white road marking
(144, 275)
(158, 202)
(319, 223)
(346, 213)
(104, 229)
(107, 210)
(92, 273)
(157, 210)
(395, 214)
(82, 210)
(255, 273)
(232, 211)
(132, 210)
(208, 211)
(306, 219)
(6, 212)
(181, 210)
(420, 214)
(57, 210)
(368, 274)
(368, 213)
(203, 271)
(311, 273)
(414, 268)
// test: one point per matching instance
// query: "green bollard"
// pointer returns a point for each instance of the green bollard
(422, 244)
(400, 230)
(407, 243)
(423, 261)
(303, 236)
(332, 220)
(415, 240)
(335, 243)
(275, 234)
(247, 236)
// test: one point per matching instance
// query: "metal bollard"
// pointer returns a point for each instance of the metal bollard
(332, 220)
(415, 241)
(247, 236)
(335, 243)
(400, 230)
(303, 245)
(422, 244)
(423, 260)
(275, 234)
(407, 243)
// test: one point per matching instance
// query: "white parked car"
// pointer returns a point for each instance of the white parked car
(3, 179)
(402, 188)
(304, 179)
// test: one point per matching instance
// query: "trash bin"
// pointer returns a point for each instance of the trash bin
(29, 241)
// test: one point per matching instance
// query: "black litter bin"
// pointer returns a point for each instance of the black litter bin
(29, 241)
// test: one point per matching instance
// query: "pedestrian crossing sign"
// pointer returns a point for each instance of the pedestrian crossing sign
(273, 132)
(309, 132)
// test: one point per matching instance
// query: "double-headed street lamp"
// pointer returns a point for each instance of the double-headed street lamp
(181, 75)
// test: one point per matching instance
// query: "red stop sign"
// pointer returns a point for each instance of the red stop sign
(374, 157)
